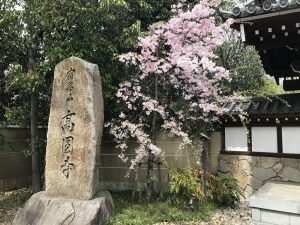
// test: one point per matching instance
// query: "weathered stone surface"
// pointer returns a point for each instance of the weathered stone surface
(234, 159)
(263, 174)
(290, 162)
(290, 174)
(234, 169)
(245, 157)
(44, 210)
(268, 162)
(253, 171)
(249, 191)
(224, 157)
(224, 166)
(254, 182)
(242, 179)
(74, 130)
(278, 167)
(244, 166)
(255, 161)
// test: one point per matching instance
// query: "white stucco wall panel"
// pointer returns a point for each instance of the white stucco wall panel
(264, 139)
(291, 140)
(236, 139)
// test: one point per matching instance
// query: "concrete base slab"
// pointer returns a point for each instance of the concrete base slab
(276, 204)
(44, 210)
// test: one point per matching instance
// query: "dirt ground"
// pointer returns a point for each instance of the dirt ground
(10, 202)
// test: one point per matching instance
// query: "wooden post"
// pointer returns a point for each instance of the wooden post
(136, 180)
(204, 161)
(159, 163)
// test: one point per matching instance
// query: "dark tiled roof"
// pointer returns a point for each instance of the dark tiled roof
(276, 106)
(242, 10)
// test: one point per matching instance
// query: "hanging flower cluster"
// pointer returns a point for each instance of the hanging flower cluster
(180, 54)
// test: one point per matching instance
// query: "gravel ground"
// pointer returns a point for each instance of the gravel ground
(10, 202)
(240, 215)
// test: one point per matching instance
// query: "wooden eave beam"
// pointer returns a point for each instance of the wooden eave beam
(280, 41)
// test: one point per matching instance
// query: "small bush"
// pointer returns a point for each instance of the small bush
(186, 182)
(226, 190)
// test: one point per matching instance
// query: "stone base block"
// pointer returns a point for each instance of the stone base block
(45, 210)
(261, 223)
(268, 217)
(276, 204)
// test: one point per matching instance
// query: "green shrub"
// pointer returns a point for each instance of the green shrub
(222, 189)
(185, 182)
(226, 190)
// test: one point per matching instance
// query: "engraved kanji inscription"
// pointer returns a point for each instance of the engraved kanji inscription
(67, 167)
(70, 74)
(67, 124)
(70, 84)
(70, 97)
(67, 144)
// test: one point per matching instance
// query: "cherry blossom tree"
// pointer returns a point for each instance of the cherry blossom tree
(176, 86)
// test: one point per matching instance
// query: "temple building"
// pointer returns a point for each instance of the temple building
(275, 34)
(263, 153)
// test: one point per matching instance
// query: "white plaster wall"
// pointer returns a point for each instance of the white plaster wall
(291, 140)
(264, 139)
(236, 139)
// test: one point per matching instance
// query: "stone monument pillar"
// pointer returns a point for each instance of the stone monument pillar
(73, 150)
(74, 131)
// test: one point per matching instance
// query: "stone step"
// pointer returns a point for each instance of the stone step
(276, 203)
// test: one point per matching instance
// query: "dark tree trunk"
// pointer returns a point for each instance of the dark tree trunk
(150, 176)
(204, 164)
(34, 150)
(36, 185)
(150, 171)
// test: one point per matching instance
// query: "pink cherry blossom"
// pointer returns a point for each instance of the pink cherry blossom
(180, 54)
